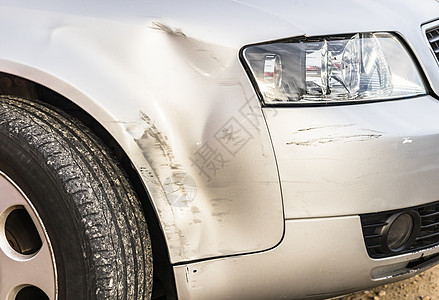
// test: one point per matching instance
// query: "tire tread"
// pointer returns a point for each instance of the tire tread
(88, 171)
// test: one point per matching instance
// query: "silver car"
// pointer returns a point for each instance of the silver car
(216, 149)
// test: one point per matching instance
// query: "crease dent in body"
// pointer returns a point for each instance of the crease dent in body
(206, 58)
(165, 28)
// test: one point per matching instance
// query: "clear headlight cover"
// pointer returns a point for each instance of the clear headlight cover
(359, 67)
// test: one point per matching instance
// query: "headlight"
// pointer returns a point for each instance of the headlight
(359, 67)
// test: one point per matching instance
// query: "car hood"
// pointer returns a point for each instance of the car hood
(327, 17)
(235, 23)
(239, 22)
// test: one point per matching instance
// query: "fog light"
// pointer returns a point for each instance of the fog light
(401, 231)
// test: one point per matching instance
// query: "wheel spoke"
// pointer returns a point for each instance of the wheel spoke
(18, 270)
(41, 271)
(9, 274)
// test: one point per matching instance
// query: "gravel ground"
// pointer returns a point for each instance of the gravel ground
(424, 286)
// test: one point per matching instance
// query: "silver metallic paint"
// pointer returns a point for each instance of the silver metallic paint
(318, 258)
(352, 159)
(164, 77)
(121, 67)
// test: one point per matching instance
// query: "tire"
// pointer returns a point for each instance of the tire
(71, 225)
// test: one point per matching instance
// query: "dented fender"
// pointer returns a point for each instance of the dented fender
(165, 80)
(179, 105)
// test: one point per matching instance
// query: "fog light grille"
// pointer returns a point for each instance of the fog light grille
(426, 237)
(433, 38)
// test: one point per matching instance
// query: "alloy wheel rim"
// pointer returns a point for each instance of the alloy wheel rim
(27, 264)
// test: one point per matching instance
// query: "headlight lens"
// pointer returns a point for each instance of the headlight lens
(359, 67)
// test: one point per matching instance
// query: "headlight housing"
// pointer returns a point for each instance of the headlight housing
(356, 67)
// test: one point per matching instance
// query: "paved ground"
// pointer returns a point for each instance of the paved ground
(424, 286)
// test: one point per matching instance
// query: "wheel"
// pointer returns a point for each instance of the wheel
(71, 226)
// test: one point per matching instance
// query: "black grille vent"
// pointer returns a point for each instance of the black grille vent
(427, 237)
(433, 38)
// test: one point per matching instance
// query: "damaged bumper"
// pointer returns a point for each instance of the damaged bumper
(332, 249)
(355, 159)
(335, 164)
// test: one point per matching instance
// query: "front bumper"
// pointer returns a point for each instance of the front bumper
(356, 159)
(317, 258)
(335, 163)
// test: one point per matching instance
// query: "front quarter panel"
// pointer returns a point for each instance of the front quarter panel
(180, 106)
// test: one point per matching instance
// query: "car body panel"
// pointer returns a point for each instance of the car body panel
(330, 260)
(354, 159)
(165, 79)
(194, 162)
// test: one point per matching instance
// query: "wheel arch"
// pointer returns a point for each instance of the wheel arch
(17, 83)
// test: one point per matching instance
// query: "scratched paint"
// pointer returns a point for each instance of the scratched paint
(359, 159)
(163, 89)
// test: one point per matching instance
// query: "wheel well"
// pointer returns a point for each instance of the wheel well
(164, 284)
